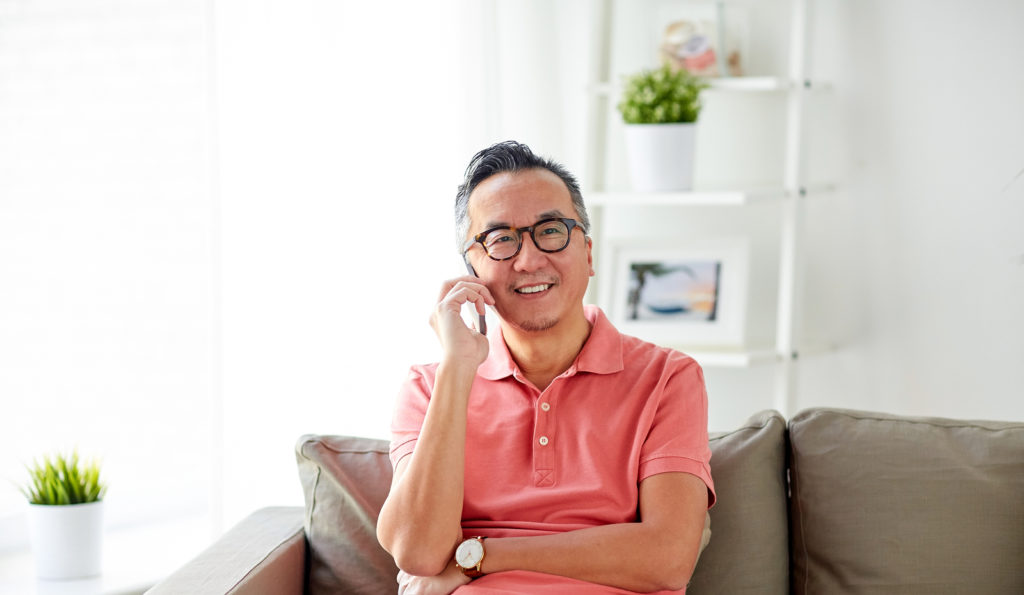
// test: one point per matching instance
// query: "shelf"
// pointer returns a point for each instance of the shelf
(765, 83)
(741, 84)
(726, 358)
(712, 357)
(700, 198)
(685, 199)
(752, 83)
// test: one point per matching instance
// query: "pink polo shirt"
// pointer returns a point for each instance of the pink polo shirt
(571, 456)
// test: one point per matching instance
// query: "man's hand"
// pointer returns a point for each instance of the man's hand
(442, 584)
(458, 341)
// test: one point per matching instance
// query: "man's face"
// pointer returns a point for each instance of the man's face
(534, 290)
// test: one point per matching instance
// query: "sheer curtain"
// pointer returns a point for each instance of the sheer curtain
(344, 130)
(223, 224)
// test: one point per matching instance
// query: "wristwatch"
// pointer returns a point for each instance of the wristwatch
(470, 555)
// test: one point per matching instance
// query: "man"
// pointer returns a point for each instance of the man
(554, 455)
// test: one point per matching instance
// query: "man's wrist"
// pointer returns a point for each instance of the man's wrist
(459, 372)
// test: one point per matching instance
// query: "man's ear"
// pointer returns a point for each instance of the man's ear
(590, 254)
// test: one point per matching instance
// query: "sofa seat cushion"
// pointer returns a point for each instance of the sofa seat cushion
(889, 504)
(345, 481)
(749, 549)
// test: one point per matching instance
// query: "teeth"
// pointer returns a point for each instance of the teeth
(534, 289)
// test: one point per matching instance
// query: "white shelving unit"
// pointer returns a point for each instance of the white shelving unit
(789, 196)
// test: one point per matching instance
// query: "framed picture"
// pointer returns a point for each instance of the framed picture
(707, 39)
(681, 296)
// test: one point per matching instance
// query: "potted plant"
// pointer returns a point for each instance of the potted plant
(65, 516)
(660, 108)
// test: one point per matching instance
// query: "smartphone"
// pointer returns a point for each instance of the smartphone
(482, 324)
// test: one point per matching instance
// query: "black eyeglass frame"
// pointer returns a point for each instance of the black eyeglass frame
(479, 238)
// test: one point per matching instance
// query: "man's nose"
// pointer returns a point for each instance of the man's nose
(530, 257)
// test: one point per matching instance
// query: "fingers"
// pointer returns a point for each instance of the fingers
(403, 582)
(461, 295)
(467, 282)
(461, 291)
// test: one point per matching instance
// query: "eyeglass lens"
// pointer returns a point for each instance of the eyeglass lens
(548, 236)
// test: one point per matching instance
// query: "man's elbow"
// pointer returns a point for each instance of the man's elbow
(416, 561)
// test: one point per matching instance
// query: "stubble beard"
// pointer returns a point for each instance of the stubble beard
(537, 325)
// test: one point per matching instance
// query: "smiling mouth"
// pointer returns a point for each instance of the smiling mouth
(534, 288)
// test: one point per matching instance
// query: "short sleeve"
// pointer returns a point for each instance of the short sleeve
(678, 437)
(410, 409)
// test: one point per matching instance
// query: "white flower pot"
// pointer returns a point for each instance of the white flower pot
(67, 541)
(661, 156)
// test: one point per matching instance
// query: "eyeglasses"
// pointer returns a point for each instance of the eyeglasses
(504, 242)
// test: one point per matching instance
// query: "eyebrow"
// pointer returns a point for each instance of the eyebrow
(553, 213)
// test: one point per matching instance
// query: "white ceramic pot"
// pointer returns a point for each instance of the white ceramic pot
(67, 541)
(661, 156)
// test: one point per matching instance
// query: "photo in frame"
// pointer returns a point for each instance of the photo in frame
(692, 295)
(708, 40)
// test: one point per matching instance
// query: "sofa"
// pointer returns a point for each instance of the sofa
(830, 501)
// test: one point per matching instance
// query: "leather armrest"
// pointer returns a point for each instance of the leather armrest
(264, 553)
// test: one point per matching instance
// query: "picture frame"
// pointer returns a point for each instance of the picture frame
(691, 295)
(709, 40)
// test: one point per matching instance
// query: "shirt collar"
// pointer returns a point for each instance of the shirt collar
(601, 354)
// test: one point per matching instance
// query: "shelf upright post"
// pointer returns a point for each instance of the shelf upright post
(790, 256)
(597, 123)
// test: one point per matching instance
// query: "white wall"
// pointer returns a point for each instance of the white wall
(919, 261)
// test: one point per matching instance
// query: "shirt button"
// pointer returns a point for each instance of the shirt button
(545, 406)
(543, 441)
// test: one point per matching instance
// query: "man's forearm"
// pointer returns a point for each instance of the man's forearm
(657, 553)
(420, 523)
(627, 556)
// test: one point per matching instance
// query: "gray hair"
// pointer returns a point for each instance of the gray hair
(509, 156)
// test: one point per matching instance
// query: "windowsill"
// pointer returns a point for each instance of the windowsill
(134, 559)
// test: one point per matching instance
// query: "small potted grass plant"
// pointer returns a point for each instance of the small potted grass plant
(660, 108)
(65, 498)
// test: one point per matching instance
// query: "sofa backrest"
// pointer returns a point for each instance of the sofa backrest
(345, 481)
(890, 504)
(880, 504)
(749, 548)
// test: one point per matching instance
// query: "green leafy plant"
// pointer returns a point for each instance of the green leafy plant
(61, 480)
(661, 96)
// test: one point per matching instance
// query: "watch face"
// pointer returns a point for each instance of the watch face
(469, 553)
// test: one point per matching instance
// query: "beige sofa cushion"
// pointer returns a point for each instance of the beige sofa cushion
(345, 481)
(887, 504)
(749, 549)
